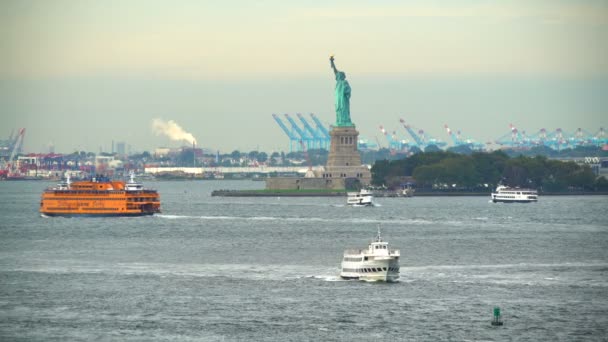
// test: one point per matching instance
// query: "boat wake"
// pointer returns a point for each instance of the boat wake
(236, 271)
(331, 278)
(397, 221)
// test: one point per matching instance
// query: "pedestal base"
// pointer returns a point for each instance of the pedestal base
(344, 160)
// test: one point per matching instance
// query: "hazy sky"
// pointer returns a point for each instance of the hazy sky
(79, 74)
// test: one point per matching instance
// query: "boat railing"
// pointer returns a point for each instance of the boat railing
(354, 251)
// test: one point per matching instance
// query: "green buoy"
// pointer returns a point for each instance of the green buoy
(497, 320)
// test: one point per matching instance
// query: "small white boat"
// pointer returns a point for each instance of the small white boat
(132, 185)
(64, 185)
(376, 263)
(514, 195)
(363, 198)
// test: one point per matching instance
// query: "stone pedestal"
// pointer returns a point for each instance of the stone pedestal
(344, 160)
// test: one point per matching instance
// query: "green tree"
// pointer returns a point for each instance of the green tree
(262, 157)
(601, 184)
(489, 167)
(429, 175)
(379, 171)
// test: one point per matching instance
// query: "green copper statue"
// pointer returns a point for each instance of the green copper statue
(342, 95)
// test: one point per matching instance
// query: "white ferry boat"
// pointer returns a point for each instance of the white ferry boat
(376, 263)
(132, 185)
(514, 195)
(64, 185)
(363, 198)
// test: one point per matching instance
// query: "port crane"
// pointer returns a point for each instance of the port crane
(11, 169)
(320, 126)
(459, 141)
(599, 138)
(319, 140)
(581, 137)
(366, 144)
(303, 135)
(455, 137)
(511, 139)
(422, 139)
(393, 144)
(539, 138)
(293, 138)
(557, 139)
(417, 139)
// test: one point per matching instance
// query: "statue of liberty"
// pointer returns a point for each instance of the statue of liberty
(342, 97)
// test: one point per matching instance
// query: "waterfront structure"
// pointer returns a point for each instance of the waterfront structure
(343, 169)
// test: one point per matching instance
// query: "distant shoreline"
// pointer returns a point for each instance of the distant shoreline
(300, 193)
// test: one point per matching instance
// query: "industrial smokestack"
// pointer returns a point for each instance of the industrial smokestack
(172, 130)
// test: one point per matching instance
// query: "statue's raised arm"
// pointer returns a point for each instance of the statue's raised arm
(333, 66)
(342, 97)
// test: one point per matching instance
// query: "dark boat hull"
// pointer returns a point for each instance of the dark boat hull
(96, 215)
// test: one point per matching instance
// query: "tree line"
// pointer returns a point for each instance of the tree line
(482, 171)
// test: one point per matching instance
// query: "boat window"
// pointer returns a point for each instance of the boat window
(384, 247)
(365, 258)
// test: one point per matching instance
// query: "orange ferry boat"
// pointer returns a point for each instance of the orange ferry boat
(99, 197)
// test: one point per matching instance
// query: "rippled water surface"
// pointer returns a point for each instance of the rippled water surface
(266, 269)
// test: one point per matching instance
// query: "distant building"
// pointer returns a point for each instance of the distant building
(120, 148)
(161, 152)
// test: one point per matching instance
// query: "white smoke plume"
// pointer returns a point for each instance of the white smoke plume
(172, 130)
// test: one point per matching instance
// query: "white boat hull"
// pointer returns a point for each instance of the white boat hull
(514, 201)
(497, 198)
(363, 198)
(378, 270)
(505, 194)
(370, 204)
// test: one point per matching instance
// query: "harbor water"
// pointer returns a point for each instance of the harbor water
(266, 269)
